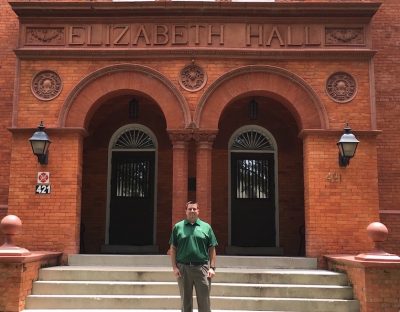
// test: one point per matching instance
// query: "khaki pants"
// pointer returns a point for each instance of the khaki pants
(194, 276)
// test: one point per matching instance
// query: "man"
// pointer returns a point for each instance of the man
(193, 258)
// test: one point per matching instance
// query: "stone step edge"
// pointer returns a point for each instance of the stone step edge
(144, 297)
(162, 269)
(223, 260)
(227, 284)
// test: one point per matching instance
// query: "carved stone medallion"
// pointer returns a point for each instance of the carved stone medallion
(46, 85)
(341, 87)
(192, 78)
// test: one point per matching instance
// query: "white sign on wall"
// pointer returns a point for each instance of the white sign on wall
(43, 177)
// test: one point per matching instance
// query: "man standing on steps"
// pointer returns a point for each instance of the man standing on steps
(193, 258)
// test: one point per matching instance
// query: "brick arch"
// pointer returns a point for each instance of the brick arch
(278, 83)
(124, 78)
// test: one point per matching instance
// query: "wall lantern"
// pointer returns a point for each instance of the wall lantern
(40, 143)
(347, 146)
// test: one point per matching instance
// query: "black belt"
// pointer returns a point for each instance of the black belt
(192, 263)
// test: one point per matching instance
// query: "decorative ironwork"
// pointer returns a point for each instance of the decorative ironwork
(134, 139)
(341, 87)
(45, 36)
(344, 36)
(252, 179)
(251, 140)
(133, 178)
(46, 85)
(192, 78)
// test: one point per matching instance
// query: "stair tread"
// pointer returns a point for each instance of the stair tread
(177, 296)
(82, 282)
(169, 269)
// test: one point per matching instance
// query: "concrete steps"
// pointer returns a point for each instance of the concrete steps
(241, 284)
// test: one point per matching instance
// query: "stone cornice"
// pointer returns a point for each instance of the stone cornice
(46, 53)
(338, 132)
(83, 132)
(161, 8)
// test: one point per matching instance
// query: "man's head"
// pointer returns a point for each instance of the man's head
(192, 211)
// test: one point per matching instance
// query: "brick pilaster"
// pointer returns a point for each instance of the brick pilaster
(180, 141)
(204, 141)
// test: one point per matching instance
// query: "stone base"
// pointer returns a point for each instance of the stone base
(378, 257)
(9, 250)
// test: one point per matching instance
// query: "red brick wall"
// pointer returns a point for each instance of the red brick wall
(386, 36)
(50, 222)
(376, 286)
(16, 278)
(340, 202)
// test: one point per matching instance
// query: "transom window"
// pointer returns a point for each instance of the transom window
(134, 139)
(251, 140)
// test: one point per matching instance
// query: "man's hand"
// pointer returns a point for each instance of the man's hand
(211, 273)
(177, 273)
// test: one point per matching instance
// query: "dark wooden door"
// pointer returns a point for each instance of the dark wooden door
(252, 200)
(132, 198)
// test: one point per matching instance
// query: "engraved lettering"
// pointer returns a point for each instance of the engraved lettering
(275, 34)
(308, 40)
(160, 34)
(90, 37)
(197, 32)
(76, 35)
(249, 35)
(219, 34)
(179, 34)
(290, 38)
(120, 37)
(108, 35)
(141, 34)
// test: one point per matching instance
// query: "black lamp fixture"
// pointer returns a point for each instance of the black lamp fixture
(40, 143)
(347, 146)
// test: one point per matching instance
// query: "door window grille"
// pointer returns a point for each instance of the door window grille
(133, 178)
(252, 179)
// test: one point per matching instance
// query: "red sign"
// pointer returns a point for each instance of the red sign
(43, 177)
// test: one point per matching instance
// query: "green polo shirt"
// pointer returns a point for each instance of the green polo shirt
(192, 241)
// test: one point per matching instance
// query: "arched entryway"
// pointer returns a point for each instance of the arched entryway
(285, 105)
(264, 224)
(105, 101)
(132, 201)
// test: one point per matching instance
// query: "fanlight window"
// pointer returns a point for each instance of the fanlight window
(134, 139)
(251, 140)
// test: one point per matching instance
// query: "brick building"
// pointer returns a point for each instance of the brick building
(238, 106)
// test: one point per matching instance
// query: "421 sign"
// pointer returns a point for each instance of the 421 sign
(43, 189)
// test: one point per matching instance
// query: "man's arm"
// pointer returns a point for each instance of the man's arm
(173, 261)
(212, 254)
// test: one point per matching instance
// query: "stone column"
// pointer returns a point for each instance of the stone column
(204, 140)
(180, 141)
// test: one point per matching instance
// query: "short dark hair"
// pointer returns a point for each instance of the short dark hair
(191, 202)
